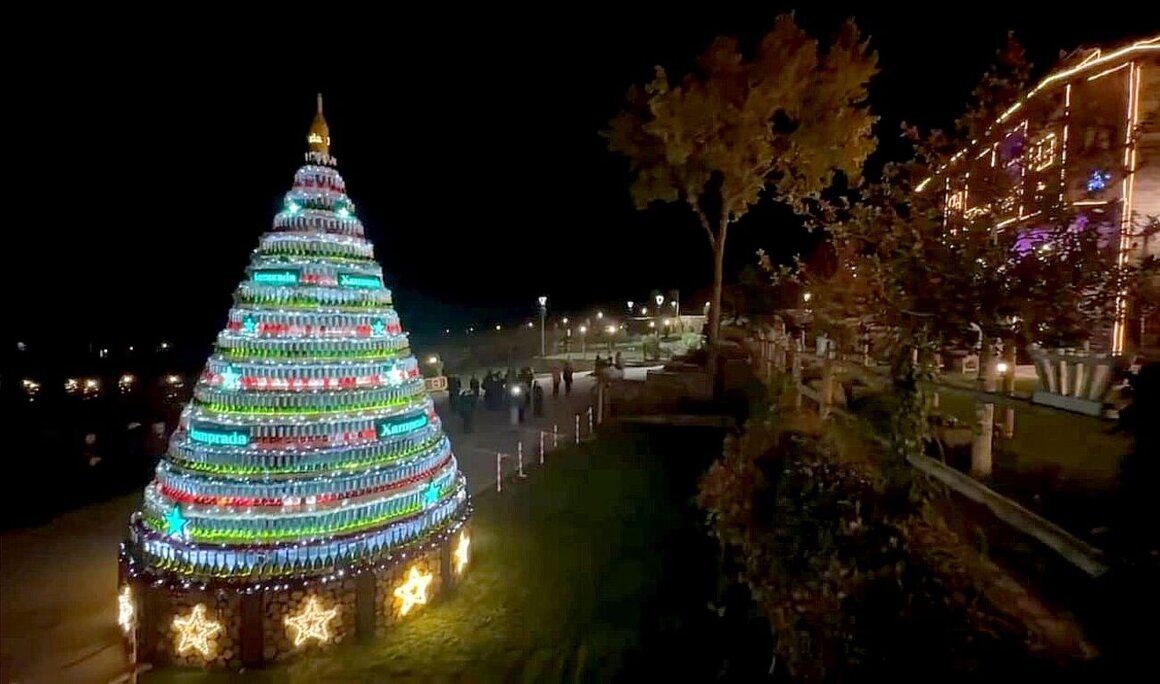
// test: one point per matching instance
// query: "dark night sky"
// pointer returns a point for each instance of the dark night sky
(151, 160)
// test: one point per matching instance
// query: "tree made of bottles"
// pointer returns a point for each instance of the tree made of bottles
(310, 444)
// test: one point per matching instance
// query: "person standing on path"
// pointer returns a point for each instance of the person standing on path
(555, 382)
(567, 378)
(537, 399)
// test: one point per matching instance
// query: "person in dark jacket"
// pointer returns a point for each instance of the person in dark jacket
(568, 378)
(537, 399)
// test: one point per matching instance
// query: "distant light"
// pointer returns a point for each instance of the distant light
(542, 300)
(668, 322)
(600, 314)
(447, 331)
(565, 321)
(652, 324)
(432, 359)
(515, 390)
(71, 385)
(92, 385)
(1002, 367)
(660, 299)
(344, 212)
(643, 311)
(805, 297)
(583, 329)
(21, 346)
(706, 306)
(31, 386)
(611, 330)
(630, 303)
(471, 330)
(498, 327)
(531, 325)
(165, 345)
(130, 347)
(674, 304)
(104, 352)
(293, 207)
(127, 379)
(173, 379)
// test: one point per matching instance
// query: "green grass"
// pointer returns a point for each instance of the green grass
(579, 574)
(1078, 448)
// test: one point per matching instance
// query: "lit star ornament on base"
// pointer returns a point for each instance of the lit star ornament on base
(195, 631)
(311, 623)
(126, 611)
(460, 555)
(413, 592)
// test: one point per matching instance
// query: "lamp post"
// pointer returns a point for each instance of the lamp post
(630, 303)
(611, 330)
(583, 340)
(543, 315)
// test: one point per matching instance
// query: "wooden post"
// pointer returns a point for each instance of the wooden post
(796, 375)
(984, 415)
(599, 403)
(827, 393)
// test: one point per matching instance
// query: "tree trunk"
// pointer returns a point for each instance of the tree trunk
(715, 309)
(718, 286)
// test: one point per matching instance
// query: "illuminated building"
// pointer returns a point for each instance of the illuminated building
(1080, 138)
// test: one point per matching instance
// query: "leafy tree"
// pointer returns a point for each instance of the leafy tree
(784, 122)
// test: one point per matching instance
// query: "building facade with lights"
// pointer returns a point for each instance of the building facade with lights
(1088, 134)
(309, 493)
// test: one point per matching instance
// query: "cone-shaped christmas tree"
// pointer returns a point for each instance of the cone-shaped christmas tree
(311, 445)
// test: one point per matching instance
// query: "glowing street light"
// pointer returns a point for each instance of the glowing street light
(583, 339)
(630, 303)
(543, 300)
(599, 315)
(1002, 367)
(497, 328)
(660, 299)
(807, 297)
(643, 311)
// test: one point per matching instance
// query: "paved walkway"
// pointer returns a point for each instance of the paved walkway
(58, 582)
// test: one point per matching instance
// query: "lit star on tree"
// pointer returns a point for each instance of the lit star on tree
(413, 592)
(250, 324)
(194, 632)
(431, 496)
(231, 379)
(175, 523)
(126, 611)
(378, 326)
(311, 622)
(461, 551)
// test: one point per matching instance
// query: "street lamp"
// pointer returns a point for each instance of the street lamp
(543, 300)
(660, 300)
(611, 330)
(599, 315)
(630, 303)
(583, 340)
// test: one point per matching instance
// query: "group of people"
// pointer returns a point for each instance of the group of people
(514, 391)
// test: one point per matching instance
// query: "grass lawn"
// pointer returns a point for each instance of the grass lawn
(593, 569)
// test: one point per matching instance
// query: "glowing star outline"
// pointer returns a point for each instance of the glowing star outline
(378, 326)
(250, 324)
(413, 592)
(194, 631)
(460, 555)
(126, 611)
(311, 622)
(231, 379)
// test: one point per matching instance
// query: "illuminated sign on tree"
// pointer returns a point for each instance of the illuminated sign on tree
(219, 436)
(359, 280)
(390, 427)
(275, 277)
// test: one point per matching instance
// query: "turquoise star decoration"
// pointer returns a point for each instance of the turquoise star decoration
(431, 496)
(250, 324)
(231, 379)
(175, 523)
(378, 326)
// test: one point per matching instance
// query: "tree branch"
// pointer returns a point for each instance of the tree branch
(708, 229)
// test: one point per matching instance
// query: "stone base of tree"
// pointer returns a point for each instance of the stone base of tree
(248, 624)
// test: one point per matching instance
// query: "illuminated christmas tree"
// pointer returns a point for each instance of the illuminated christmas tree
(311, 450)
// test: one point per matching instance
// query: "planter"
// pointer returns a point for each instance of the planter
(1074, 380)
